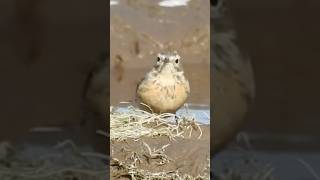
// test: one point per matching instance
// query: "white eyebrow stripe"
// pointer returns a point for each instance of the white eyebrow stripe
(175, 57)
(161, 56)
(170, 56)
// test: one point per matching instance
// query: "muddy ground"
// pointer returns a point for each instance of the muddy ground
(188, 155)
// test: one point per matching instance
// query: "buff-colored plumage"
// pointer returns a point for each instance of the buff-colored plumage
(164, 88)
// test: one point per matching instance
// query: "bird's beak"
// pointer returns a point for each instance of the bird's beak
(167, 67)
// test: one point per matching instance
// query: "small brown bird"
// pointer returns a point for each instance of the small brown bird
(164, 88)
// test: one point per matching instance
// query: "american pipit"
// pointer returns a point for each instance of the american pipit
(164, 88)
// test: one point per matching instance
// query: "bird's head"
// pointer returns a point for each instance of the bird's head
(168, 63)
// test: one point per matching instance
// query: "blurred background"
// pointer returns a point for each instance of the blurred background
(281, 38)
(282, 128)
(48, 49)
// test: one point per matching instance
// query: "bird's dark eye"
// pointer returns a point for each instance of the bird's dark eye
(158, 59)
(177, 61)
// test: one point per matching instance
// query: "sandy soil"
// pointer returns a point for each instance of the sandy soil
(189, 155)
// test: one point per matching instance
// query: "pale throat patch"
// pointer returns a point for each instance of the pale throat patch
(166, 79)
(168, 69)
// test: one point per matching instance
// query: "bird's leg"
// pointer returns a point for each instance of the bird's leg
(176, 118)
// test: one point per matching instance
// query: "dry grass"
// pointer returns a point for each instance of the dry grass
(248, 171)
(134, 173)
(67, 161)
(136, 123)
(64, 161)
(247, 167)
(129, 168)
